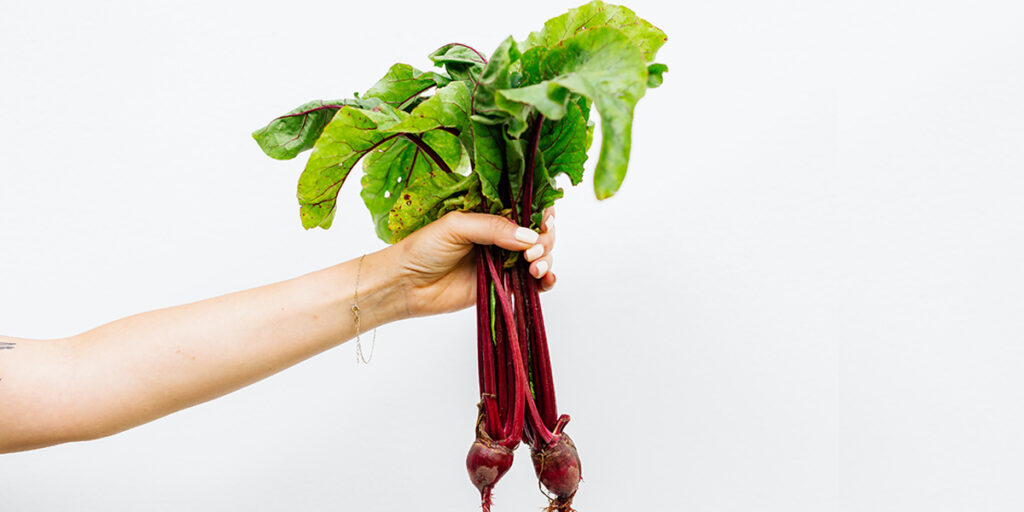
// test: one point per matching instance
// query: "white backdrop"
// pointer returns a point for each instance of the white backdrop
(806, 296)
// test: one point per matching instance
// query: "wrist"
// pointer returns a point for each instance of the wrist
(377, 288)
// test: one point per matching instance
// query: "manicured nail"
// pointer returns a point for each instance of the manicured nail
(550, 223)
(526, 235)
(542, 268)
(534, 252)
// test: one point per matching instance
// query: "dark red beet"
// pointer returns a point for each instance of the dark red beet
(558, 468)
(487, 462)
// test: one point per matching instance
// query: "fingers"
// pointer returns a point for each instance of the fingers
(540, 254)
(547, 282)
(547, 230)
(484, 229)
(549, 218)
(540, 266)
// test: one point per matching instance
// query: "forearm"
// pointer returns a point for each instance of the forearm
(142, 367)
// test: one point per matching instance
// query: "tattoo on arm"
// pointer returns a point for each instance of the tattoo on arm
(6, 345)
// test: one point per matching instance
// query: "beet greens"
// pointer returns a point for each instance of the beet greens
(491, 137)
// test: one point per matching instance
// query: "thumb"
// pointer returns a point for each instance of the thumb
(486, 229)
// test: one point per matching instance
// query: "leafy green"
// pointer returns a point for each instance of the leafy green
(489, 160)
(349, 136)
(353, 133)
(433, 142)
(403, 83)
(615, 78)
(398, 162)
(654, 72)
(563, 144)
(429, 197)
(290, 134)
(545, 191)
(530, 66)
(497, 75)
(460, 61)
(598, 14)
(449, 108)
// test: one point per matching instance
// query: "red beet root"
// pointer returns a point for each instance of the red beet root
(487, 462)
(558, 468)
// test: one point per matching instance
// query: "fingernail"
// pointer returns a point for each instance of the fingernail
(550, 223)
(542, 268)
(526, 235)
(534, 252)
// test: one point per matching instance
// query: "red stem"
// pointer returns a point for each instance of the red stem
(429, 151)
(544, 384)
(536, 426)
(485, 351)
(514, 432)
(528, 171)
(500, 359)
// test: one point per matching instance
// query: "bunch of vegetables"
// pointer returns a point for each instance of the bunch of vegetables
(492, 137)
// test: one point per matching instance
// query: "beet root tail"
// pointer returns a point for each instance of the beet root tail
(485, 499)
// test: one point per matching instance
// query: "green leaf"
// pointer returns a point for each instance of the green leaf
(515, 162)
(346, 139)
(448, 108)
(404, 83)
(353, 134)
(394, 164)
(598, 14)
(654, 72)
(288, 135)
(488, 160)
(545, 190)
(429, 197)
(496, 76)
(459, 61)
(584, 103)
(531, 70)
(563, 143)
(604, 65)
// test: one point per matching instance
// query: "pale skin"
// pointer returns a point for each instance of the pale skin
(146, 366)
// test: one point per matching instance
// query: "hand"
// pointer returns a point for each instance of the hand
(437, 263)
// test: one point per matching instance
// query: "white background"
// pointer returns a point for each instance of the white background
(807, 295)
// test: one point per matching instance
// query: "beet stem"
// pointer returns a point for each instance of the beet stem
(544, 380)
(485, 350)
(515, 432)
(528, 172)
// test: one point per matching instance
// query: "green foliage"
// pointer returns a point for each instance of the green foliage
(459, 139)
(292, 133)
(459, 61)
(403, 83)
(429, 197)
(654, 72)
(596, 14)
(614, 78)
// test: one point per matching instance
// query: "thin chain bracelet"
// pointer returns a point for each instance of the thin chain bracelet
(355, 316)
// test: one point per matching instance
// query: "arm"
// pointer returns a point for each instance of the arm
(146, 366)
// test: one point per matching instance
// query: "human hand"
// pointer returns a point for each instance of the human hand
(437, 264)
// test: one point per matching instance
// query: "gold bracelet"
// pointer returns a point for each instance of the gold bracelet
(355, 315)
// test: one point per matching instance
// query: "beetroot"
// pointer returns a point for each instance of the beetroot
(558, 468)
(487, 462)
